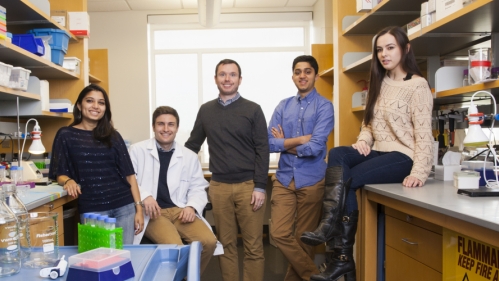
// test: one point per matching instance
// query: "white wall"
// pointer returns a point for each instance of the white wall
(124, 34)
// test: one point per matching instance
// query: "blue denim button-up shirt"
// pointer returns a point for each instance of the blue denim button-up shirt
(298, 117)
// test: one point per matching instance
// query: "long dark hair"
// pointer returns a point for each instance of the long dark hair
(378, 72)
(104, 130)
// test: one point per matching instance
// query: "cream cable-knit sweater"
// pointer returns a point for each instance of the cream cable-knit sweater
(402, 122)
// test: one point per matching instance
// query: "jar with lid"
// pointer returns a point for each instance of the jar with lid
(10, 258)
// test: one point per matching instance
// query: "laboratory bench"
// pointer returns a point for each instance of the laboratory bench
(403, 230)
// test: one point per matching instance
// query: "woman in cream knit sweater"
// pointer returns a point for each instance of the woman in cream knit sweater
(394, 146)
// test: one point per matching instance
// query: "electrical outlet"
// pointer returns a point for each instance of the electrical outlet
(6, 143)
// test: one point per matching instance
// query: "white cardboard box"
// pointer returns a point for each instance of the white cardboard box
(414, 26)
(444, 8)
(425, 20)
(364, 5)
(446, 173)
(424, 9)
(79, 24)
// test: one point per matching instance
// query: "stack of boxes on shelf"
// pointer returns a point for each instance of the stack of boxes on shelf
(435, 10)
(428, 13)
(3, 23)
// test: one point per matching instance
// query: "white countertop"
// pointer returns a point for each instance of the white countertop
(442, 197)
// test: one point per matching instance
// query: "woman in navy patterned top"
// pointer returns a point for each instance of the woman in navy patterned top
(90, 160)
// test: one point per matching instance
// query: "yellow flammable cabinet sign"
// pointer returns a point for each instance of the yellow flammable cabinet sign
(467, 259)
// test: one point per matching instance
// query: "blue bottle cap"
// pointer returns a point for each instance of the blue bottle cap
(14, 168)
(93, 216)
(87, 215)
(111, 220)
(2, 167)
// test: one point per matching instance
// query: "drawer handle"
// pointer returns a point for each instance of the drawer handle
(50, 206)
(409, 242)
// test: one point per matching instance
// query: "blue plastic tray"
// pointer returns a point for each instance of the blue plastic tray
(173, 263)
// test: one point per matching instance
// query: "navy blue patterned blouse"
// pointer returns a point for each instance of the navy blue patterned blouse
(100, 171)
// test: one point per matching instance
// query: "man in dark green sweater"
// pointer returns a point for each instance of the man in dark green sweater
(239, 160)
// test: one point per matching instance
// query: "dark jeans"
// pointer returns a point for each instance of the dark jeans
(377, 167)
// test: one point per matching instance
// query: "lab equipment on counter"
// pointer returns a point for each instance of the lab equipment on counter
(56, 271)
(466, 179)
(480, 64)
(44, 237)
(92, 237)
(10, 260)
(101, 264)
(19, 209)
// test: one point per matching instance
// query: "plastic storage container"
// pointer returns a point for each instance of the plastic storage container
(19, 78)
(5, 70)
(59, 42)
(29, 43)
(101, 264)
(91, 237)
(72, 64)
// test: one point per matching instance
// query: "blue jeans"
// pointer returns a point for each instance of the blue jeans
(377, 167)
(125, 218)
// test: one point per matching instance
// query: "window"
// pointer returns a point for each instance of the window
(183, 67)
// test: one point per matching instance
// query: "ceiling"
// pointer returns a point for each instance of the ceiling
(142, 5)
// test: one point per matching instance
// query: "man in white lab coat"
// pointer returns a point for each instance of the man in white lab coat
(172, 188)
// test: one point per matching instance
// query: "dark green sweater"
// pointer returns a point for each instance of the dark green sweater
(237, 141)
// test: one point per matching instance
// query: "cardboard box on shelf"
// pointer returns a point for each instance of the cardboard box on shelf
(414, 26)
(60, 16)
(444, 8)
(364, 5)
(79, 24)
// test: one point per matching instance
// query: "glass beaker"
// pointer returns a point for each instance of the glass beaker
(44, 238)
(19, 209)
(480, 64)
(10, 260)
(3, 174)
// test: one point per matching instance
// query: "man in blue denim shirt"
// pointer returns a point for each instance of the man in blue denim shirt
(299, 129)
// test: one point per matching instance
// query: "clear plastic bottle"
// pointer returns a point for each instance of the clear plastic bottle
(92, 219)
(10, 258)
(47, 160)
(14, 174)
(3, 174)
(466, 80)
(101, 221)
(19, 209)
(86, 217)
(110, 224)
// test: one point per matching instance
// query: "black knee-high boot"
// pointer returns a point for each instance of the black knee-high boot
(333, 205)
(342, 262)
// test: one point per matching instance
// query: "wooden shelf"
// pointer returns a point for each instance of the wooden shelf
(361, 65)
(386, 13)
(469, 89)
(41, 68)
(359, 108)
(43, 115)
(11, 94)
(20, 10)
(93, 78)
(327, 73)
(467, 27)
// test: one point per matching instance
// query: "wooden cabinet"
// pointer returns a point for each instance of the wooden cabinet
(413, 248)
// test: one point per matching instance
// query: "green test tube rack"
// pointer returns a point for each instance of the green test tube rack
(90, 238)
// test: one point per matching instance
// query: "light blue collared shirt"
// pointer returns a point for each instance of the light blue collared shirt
(298, 116)
(229, 101)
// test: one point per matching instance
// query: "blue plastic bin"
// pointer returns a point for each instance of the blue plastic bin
(29, 43)
(57, 56)
(60, 39)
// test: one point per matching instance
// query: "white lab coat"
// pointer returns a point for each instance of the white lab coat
(185, 179)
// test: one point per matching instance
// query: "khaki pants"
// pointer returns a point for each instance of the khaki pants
(231, 207)
(293, 212)
(167, 229)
